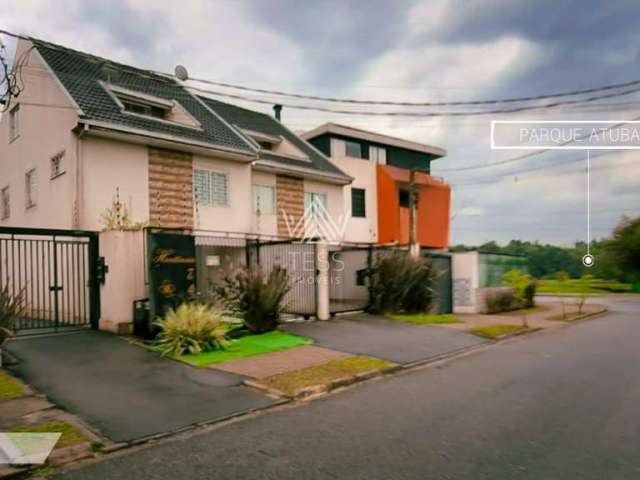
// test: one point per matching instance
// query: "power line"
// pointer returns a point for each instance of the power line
(419, 104)
(399, 113)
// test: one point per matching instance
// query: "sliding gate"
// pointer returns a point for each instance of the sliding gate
(55, 271)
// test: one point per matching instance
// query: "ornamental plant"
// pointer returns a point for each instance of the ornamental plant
(190, 328)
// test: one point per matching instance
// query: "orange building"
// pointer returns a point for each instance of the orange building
(381, 166)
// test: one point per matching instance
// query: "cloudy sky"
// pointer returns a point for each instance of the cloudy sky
(432, 50)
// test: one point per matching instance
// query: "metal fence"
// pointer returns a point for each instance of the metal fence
(55, 272)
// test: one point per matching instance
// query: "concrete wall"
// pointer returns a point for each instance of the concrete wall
(363, 171)
(125, 281)
(46, 119)
(465, 282)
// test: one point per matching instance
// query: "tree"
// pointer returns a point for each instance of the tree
(623, 249)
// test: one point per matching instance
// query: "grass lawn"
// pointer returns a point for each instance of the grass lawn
(426, 318)
(495, 331)
(70, 434)
(247, 346)
(9, 387)
(575, 286)
(323, 374)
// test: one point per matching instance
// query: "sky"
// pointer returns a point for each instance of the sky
(423, 50)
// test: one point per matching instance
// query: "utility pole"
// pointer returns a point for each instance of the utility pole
(414, 246)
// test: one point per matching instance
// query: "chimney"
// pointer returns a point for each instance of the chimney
(277, 108)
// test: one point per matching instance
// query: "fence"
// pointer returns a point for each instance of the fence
(348, 270)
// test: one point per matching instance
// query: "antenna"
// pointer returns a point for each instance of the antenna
(181, 73)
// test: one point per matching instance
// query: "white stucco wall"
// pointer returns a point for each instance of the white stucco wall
(465, 282)
(46, 118)
(107, 166)
(363, 230)
(237, 216)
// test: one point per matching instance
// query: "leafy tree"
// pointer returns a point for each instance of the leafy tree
(622, 251)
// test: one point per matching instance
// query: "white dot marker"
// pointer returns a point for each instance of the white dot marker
(588, 260)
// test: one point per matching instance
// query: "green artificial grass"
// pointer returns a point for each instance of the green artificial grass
(289, 382)
(9, 387)
(495, 331)
(247, 346)
(576, 286)
(70, 434)
(426, 318)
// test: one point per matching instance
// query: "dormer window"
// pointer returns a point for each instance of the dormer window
(266, 145)
(145, 109)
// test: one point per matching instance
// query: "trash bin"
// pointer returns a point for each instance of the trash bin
(141, 320)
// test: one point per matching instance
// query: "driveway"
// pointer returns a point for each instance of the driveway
(378, 336)
(125, 391)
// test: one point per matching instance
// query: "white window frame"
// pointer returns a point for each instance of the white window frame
(211, 201)
(378, 154)
(310, 199)
(31, 188)
(14, 123)
(57, 169)
(5, 203)
(256, 192)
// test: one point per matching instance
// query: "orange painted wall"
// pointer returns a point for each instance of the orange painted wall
(388, 207)
(434, 206)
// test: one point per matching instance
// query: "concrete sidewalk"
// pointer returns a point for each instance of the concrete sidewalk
(124, 391)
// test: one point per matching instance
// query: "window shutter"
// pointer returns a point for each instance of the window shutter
(202, 187)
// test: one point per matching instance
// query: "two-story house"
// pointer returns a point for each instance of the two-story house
(86, 129)
(378, 198)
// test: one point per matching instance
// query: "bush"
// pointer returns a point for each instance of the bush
(400, 282)
(190, 328)
(501, 301)
(529, 294)
(11, 308)
(258, 295)
(562, 276)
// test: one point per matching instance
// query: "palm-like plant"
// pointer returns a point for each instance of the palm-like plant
(191, 328)
(12, 307)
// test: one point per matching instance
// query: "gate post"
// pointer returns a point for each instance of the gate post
(94, 290)
(322, 281)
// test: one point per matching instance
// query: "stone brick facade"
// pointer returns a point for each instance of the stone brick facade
(289, 199)
(170, 188)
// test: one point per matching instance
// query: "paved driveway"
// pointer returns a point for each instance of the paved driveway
(125, 391)
(379, 337)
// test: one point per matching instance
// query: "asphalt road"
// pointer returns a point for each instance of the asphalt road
(562, 404)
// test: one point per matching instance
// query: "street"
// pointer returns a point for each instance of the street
(559, 404)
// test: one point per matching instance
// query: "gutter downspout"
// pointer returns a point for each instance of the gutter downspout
(79, 193)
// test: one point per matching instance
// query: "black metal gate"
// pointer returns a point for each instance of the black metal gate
(443, 287)
(56, 271)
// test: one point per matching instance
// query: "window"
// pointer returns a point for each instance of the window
(144, 109)
(378, 155)
(266, 145)
(264, 199)
(403, 198)
(5, 203)
(315, 203)
(14, 123)
(341, 148)
(57, 165)
(338, 148)
(31, 188)
(211, 188)
(353, 149)
(358, 203)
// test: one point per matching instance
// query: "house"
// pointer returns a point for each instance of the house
(382, 166)
(86, 132)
